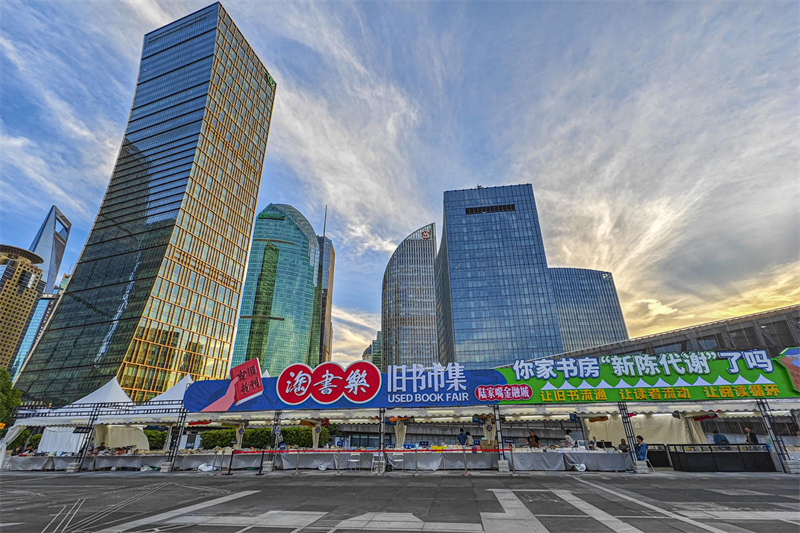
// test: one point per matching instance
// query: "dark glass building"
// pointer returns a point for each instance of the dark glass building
(327, 259)
(408, 302)
(278, 324)
(588, 308)
(494, 299)
(156, 290)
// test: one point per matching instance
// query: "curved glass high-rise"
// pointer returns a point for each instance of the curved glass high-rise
(279, 318)
(408, 302)
(589, 313)
(494, 300)
(155, 292)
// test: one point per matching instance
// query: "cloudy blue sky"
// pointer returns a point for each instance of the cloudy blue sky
(662, 139)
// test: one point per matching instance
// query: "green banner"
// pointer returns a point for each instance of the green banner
(666, 377)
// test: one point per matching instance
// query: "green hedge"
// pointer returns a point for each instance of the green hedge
(301, 436)
(261, 438)
(156, 438)
(217, 438)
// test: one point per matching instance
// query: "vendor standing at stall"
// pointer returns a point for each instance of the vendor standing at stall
(569, 439)
(749, 436)
(462, 437)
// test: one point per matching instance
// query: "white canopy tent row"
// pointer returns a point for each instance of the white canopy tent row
(117, 420)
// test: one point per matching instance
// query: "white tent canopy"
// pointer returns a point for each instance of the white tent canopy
(111, 392)
(174, 393)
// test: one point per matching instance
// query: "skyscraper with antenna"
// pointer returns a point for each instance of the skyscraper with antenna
(327, 258)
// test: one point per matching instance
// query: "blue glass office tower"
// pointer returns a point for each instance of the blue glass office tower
(277, 322)
(494, 300)
(408, 302)
(155, 292)
(588, 308)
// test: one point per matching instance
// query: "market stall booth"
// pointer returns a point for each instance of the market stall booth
(611, 399)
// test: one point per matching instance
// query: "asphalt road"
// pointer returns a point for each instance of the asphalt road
(444, 502)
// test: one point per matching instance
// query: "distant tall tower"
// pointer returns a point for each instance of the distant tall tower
(50, 243)
(155, 292)
(494, 299)
(408, 302)
(21, 286)
(327, 258)
(277, 322)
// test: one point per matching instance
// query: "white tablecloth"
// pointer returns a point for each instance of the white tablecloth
(600, 462)
(289, 460)
(536, 461)
(119, 461)
(29, 463)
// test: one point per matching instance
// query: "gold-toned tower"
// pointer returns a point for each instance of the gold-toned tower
(156, 290)
(21, 285)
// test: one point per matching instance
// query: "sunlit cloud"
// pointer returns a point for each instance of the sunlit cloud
(661, 139)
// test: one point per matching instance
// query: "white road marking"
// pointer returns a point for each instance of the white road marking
(743, 515)
(403, 522)
(516, 517)
(177, 512)
(611, 522)
(54, 519)
(670, 514)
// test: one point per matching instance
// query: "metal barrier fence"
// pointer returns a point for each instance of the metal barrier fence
(340, 461)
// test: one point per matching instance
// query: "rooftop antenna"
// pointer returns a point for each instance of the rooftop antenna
(325, 222)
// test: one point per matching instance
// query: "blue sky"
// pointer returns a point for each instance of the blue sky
(661, 138)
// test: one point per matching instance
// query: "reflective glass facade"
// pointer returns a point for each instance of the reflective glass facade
(408, 303)
(155, 292)
(32, 332)
(21, 286)
(377, 359)
(588, 308)
(277, 322)
(327, 259)
(494, 300)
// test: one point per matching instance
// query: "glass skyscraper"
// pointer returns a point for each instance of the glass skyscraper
(155, 292)
(588, 308)
(494, 300)
(21, 285)
(277, 322)
(50, 243)
(408, 302)
(41, 315)
(327, 259)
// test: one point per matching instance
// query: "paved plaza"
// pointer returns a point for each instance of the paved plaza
(323, 502)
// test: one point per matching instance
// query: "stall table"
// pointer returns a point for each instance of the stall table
(599, 462)
(537, 461)
(721, 458)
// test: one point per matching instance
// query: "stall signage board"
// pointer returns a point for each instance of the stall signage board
(667, 377)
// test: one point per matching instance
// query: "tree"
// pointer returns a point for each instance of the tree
(10, 397)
